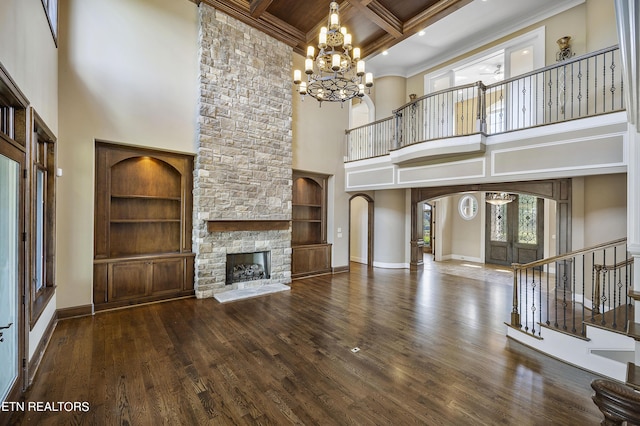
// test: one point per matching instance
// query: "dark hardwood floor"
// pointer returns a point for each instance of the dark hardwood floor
(432, 345)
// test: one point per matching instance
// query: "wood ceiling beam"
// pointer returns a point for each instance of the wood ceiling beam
(258, 7)
(433, 14)
(380, 16)
(267, 23)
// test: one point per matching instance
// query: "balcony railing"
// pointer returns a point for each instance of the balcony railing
(568, 291)
(581, 87)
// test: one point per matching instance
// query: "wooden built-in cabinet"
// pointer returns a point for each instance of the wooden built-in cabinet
(311, 254)
(142, 226)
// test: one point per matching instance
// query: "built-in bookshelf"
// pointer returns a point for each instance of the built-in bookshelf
(311, 254)
(142, 225)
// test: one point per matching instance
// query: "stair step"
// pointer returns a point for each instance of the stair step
(635, 295)
(633, 330)
(633, 375)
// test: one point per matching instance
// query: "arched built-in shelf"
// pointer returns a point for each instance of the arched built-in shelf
(142, 226)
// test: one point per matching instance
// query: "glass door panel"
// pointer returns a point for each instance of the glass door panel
(9, 276)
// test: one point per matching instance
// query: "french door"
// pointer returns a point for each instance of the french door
(515, 231)
(11, 269)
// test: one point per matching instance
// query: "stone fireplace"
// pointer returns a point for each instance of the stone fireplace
(242, 176)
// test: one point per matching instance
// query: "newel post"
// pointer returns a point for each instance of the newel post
(515, 314)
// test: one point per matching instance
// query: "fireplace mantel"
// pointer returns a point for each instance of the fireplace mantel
(247, 225)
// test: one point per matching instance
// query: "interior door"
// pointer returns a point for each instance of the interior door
(515, 231)
(499, 234)
(11, 277)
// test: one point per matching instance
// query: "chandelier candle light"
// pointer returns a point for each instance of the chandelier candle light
(337, 73)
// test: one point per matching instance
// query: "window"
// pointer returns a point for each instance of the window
(43, 217)
(527, 219)
(468, 207)
(6, 121)
(51, 10)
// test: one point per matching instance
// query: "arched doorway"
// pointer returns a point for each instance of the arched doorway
(361, 229)
(558, 190)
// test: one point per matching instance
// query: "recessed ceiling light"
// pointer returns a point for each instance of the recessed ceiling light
(385, 53)
(421, 33)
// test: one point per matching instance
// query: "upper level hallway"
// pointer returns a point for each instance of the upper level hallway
(565, 120)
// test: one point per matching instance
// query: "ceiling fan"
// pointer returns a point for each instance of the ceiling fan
(498, 73)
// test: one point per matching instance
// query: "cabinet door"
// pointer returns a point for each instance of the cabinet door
(313, 259)
(129, 280)
(168, 276)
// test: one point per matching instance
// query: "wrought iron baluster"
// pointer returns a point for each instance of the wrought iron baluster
(573, 303)
(584, 331)
(595, 277)
(564, 304)
(595, 84)
(614, 286)
(540, 301)
(613, 77)
(587, 86)
(555, 297)
(572, 70)
(580, 90)
(550, 101)
(548, 294)
(603, 297)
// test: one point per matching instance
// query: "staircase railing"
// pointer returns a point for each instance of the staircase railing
(371, 140)
(583, 86)
(563, 292)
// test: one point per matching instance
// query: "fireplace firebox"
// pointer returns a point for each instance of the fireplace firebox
(243, 267)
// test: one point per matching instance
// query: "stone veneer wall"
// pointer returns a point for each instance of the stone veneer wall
(244, 161)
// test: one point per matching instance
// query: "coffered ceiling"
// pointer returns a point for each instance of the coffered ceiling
(376, 25)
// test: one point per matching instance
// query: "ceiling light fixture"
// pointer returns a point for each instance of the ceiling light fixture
(337, 73)
(499, 198)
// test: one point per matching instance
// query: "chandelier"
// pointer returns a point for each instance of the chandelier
(337, 73)
(499, 198)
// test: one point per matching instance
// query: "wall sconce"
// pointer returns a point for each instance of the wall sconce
(565, 49)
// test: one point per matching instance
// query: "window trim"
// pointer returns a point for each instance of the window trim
(51, 12)
(43, 157)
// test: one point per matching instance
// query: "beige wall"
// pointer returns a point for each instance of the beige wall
(391, 93)
(24, 28)
(128, 72)
(391, 236)
(319, 146)
(466, 235)
(28, 53)
(605, 208)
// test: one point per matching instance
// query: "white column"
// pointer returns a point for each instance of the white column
(628, 25)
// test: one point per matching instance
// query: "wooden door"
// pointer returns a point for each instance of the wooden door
(515, 231)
